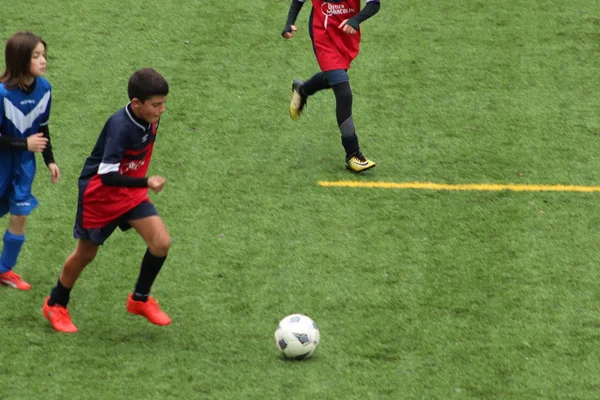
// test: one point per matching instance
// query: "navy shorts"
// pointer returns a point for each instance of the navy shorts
(336, 76)
(99, 235)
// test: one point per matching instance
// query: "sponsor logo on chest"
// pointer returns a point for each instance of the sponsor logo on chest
(132, 165)
(330, 9)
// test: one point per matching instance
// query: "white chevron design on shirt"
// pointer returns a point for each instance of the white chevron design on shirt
(21, 121)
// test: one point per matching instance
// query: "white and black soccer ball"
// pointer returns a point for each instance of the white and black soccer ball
(297, 337)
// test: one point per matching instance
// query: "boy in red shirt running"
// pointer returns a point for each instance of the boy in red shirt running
(335, 33)
(113, 192)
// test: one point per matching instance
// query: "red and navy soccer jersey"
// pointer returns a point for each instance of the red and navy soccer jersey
(124, 146)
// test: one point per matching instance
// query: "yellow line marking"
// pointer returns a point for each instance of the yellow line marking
(474, 187)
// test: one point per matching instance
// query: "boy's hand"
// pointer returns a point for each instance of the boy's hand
(156, 183)
(54, 172)
(36, 143)
(289, 31)
(347, 28)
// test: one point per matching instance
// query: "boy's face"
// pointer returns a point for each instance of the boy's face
(150, 110)
(38, 60)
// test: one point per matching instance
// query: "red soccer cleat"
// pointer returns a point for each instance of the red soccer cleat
(13, 280)
(59, 317)
(149, 310)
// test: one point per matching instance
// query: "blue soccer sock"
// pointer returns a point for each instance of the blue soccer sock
(10, 251)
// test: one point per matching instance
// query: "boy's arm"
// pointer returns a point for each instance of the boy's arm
(118, 179)
(370, 9)
(8, 142)
(47, 154)
(295, 8)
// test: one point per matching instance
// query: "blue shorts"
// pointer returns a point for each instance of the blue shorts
(99, 235)
(17, 170)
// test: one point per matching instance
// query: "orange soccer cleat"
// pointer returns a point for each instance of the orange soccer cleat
(13, 280)
(59, 317)
(149, 310)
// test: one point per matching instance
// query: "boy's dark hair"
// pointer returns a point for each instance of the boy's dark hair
(145, 83)
(17, 57)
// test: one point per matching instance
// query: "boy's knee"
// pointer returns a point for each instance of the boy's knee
(86, 257)
(16, 224)
(160, 245)
(85, 253)
(343, 92)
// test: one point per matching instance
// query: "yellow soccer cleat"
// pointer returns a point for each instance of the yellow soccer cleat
(298, 100)
(359, 163)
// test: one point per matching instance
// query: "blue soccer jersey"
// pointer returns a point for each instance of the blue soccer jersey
(22, 114)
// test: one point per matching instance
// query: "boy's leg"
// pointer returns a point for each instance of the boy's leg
(84, 253)
(16, 194)
(88, 243)
(302, 89)
(316, 83)
(14, 237)
(155, 234)
(55, 307)
(340, 83)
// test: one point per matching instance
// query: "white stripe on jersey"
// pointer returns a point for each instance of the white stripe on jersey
(21, 121)
(132, 119)
(107, 168)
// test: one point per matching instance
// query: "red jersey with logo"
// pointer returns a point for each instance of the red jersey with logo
(334, 48)
(125, 146)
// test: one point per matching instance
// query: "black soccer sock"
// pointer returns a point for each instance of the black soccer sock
(343, 113)
(60, 295)
(149, 270)
(317, 82)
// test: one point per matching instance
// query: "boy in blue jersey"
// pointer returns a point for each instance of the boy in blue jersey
(25, 98)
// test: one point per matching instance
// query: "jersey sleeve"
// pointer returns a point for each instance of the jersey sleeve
(45, 118)
(2, 94)
(371, 8)
(114, 147)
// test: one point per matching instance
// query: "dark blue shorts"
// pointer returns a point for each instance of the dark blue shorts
(336, 76)
(99, 235)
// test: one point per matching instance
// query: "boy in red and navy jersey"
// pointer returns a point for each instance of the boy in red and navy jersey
(113, 192)
(113, 177)
(335, 34)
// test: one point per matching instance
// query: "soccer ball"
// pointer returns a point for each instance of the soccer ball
(297, 336)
